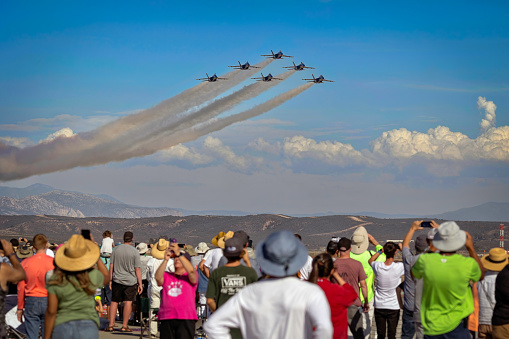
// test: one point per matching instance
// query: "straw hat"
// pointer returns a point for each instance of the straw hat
(496, 260)
(449, 237)
(227, 236)
(360, 240)
(159, 249)
(216, 238)
(77, 254)
(24, 251)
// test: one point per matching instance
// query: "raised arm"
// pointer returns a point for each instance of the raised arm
(469, 244)
(186, 263)
(416, 225)
(159, 276)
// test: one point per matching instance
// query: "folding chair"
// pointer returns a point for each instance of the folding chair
(147, 316)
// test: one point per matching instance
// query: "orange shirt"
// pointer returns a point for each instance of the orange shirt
(34, 284)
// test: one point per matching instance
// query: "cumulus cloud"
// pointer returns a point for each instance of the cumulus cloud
(217, 147)
(332, 152)
(489, 113)
(181, 152)
(65, 132)
(442, 150)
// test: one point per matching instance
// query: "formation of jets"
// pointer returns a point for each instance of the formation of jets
(269, 77)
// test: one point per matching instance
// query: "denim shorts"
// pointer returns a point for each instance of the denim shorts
(76, 329)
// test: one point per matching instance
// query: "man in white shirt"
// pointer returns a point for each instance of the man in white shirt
(280, 306)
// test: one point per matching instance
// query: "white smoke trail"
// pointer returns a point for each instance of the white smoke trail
(210, 111)
(180, 103)
(125, 129)
(194, 133)
(64, 153)
(489, 113)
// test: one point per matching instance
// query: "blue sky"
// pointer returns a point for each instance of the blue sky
(397, 65)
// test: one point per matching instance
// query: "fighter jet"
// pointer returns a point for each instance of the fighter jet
(269, 77)
(278, 55)
(212, 78)
(299, 67)
(244, 67)
(318, 80)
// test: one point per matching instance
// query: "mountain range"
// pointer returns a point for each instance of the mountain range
(44, 200)
(39, 199)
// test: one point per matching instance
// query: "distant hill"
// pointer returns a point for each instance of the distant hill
(43, 199)
(491, 211)
(18, 193)
(73, 204)
(315, 231)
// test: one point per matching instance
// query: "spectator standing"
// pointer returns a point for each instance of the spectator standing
(494, 262)
(71, 311)
(32, 293)
(419, 331)
(203, 281)
(154, 290)
(388, 278)
(178, 308)
(351, 271)
(125, 276)
(107, 244)
(213, 256)
(446, 296)
(249, 258)
(409, 259)
(500, 319)
(228, 280)
(305, 270)
(8, 273)
(339, 297)
(333, 249)
(360, 252)
(280, 306)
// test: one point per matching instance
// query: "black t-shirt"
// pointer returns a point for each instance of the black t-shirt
(501, 311)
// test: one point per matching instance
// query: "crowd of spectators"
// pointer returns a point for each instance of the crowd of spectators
(227, 289)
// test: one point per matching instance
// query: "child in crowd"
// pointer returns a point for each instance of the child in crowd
(107, 244)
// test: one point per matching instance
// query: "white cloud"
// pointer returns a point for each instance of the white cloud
(489, 113)
(182, 152)
(65, 132)
(217, 147)
(263, 146)
(332, 152)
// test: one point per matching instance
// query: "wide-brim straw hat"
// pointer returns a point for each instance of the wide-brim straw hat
(449, 237)
(78, 254)
(216, 238)
(360, 241)
(159, 249)
(496, 260)
(281, 254)
(24, 251)
(222, 240)
(201, 248)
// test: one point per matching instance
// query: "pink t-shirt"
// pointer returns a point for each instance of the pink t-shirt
(178, 298)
